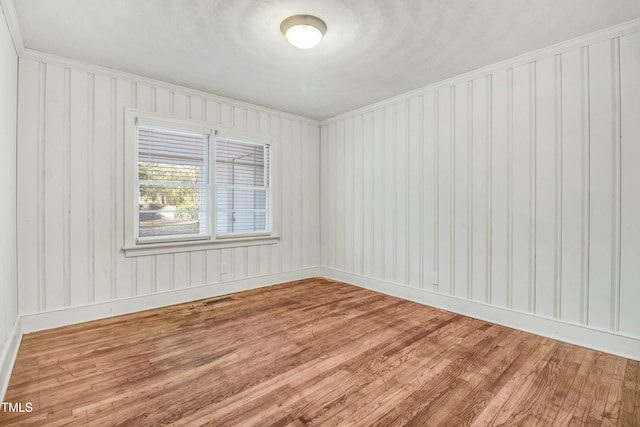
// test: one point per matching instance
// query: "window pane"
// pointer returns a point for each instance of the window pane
(173, 181)
(242, 187)
(170, 223)
(149, 171)
(172, 196)
(241, 198)
(241, 222)
(240, 163)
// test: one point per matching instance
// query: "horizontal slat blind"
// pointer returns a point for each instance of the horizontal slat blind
(173, 183)
(242, 187)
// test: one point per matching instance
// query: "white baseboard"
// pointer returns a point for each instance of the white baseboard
(69, 316)
(585, 336)
(8, 357)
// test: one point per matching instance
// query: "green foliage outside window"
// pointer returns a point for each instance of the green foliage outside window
(184, 198)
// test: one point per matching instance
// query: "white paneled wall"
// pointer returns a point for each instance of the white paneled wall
(518, 188)
(70, 188)
(8, 286)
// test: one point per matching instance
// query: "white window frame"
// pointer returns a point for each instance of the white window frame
(137, 247)
(226, 135)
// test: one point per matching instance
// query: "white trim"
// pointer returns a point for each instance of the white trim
(573, 333)
(135, 246)
(558, 48)
(86, 313)
(197, 245)
(188, 125)
(48, 58)
(243, 136)
(226, 135)
(11, 17)
(8, 356)
(132, 118)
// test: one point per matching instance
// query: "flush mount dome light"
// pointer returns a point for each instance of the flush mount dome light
(303, 31)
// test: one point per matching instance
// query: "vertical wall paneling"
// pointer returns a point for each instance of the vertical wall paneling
(379, 243)
(520, 187)
(54, 186)
(213, 266)
(545, 186)
(509, 182)
(126, 96)
(489, 181)
(557, 220)
(499, 191)
(324, 196)
(227, 268)
(460, 217)
(113, 181)
(9, 188)
(145, 275)
(571, 187)
(102, 188)
(452, 191)
(516, 187)
(358, 195)
(533, 165)
(401, 187)
(332, 203)
(311, 188)
(66, 192)
(42, 122)
(368, 196)
(444, 203)
(480, 189)
(91, 139)
(630, 191)
(389, 204)
(265, 261)
(436, 190)
(71, 184)
(617, 176)
(164, 272)
(288, 157)
(470, 184)
(253, 262)
(306, 153)
(197, 268)
(348, 219)
(79, 211)
(296, 196)
(415, 186)
(427, 136)
(601, 184)
(279, 213)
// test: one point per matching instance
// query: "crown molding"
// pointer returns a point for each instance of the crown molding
(608, 33)
(11, 17)
(75, 64)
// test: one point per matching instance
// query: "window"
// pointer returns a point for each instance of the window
(173, 183)
(191, 186)
(243, 194)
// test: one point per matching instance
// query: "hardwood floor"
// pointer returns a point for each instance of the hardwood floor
(314, 352)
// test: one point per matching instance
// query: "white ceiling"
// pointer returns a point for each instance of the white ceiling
(373, 49)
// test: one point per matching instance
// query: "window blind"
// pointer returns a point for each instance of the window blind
(173, 183)
(243, 188)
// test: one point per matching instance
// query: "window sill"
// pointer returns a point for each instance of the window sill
(197, 245)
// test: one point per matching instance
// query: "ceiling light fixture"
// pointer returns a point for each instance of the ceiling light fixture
(303, 31)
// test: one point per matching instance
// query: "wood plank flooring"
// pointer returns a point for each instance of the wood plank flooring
(314, 352)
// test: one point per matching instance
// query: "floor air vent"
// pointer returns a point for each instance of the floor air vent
(217, 301)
